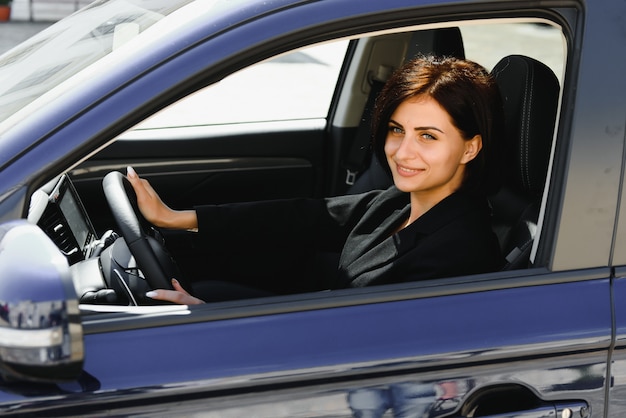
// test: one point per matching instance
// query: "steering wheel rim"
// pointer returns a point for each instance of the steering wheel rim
(150, 254)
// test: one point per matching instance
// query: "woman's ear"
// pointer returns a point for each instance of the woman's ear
(472, 148)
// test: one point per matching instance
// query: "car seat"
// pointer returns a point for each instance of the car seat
(530, 93)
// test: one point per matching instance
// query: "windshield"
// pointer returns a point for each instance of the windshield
(62, 50)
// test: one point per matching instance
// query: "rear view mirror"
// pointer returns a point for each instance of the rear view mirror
(40, 331)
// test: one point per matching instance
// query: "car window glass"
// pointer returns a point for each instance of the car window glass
(56, 54)
(298, 85)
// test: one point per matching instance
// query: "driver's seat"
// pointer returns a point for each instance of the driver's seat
(530, 93)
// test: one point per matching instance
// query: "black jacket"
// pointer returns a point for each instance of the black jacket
(347, 241)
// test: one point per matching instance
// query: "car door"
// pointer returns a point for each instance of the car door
(528, 342)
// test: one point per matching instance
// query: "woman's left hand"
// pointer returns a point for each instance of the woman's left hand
(178, 295)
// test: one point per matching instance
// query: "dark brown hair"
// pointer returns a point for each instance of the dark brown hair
(471, 97)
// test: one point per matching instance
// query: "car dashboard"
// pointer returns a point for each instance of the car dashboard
(103, 270)
(57, 209)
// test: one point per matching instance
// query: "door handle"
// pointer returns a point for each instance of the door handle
(576, 409)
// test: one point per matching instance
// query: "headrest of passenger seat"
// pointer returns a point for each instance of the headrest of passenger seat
(446, 42)
(530, 93)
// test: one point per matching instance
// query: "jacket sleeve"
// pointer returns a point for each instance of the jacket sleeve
(278, 239)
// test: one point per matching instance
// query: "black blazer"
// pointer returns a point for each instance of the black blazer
(346, 241)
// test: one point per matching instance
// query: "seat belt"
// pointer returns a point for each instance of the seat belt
(357, 158)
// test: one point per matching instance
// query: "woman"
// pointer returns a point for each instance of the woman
(437, 126)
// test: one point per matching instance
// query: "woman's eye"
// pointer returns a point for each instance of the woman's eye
(428, 136)
(396, 130)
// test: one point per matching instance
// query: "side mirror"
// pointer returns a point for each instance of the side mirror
(41, 337)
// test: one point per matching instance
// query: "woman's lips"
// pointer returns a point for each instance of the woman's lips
(407, 171)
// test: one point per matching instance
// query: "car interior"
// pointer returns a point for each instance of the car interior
(255, 159)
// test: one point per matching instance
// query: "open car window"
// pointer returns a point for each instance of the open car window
(326, 83)
(300, 84)
(295, 85)
(487, 43)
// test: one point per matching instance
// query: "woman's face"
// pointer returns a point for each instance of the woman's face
(425, 151)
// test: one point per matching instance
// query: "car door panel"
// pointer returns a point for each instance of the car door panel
(533, 337)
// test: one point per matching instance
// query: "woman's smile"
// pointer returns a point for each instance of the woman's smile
(407, 171)
(425, 151)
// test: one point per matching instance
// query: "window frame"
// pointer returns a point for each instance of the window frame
(396, 292)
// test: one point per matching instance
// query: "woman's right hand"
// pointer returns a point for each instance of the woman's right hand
(153, 208)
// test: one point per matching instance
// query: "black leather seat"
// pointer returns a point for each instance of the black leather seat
(530, 93)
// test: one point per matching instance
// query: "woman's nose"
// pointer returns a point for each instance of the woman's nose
(405, 149)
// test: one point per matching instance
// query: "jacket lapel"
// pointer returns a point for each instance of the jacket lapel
(373, 244)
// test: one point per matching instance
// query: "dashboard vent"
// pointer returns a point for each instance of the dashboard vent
(53, 223)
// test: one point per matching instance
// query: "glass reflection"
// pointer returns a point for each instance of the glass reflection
(407, 399)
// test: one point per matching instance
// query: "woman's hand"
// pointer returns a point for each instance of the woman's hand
(153, 208)
(178, 295)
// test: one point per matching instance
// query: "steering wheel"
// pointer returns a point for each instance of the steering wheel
(143, 240)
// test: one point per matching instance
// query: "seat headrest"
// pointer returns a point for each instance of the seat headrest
(530, 94)
(441, 42)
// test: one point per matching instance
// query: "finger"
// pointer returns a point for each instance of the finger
(173, 296)
(188, 299)
(131, 173)
(137, 182)
(134, 180)
(147, 186)
(177, 286)
(148, 200)
(143, 189)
